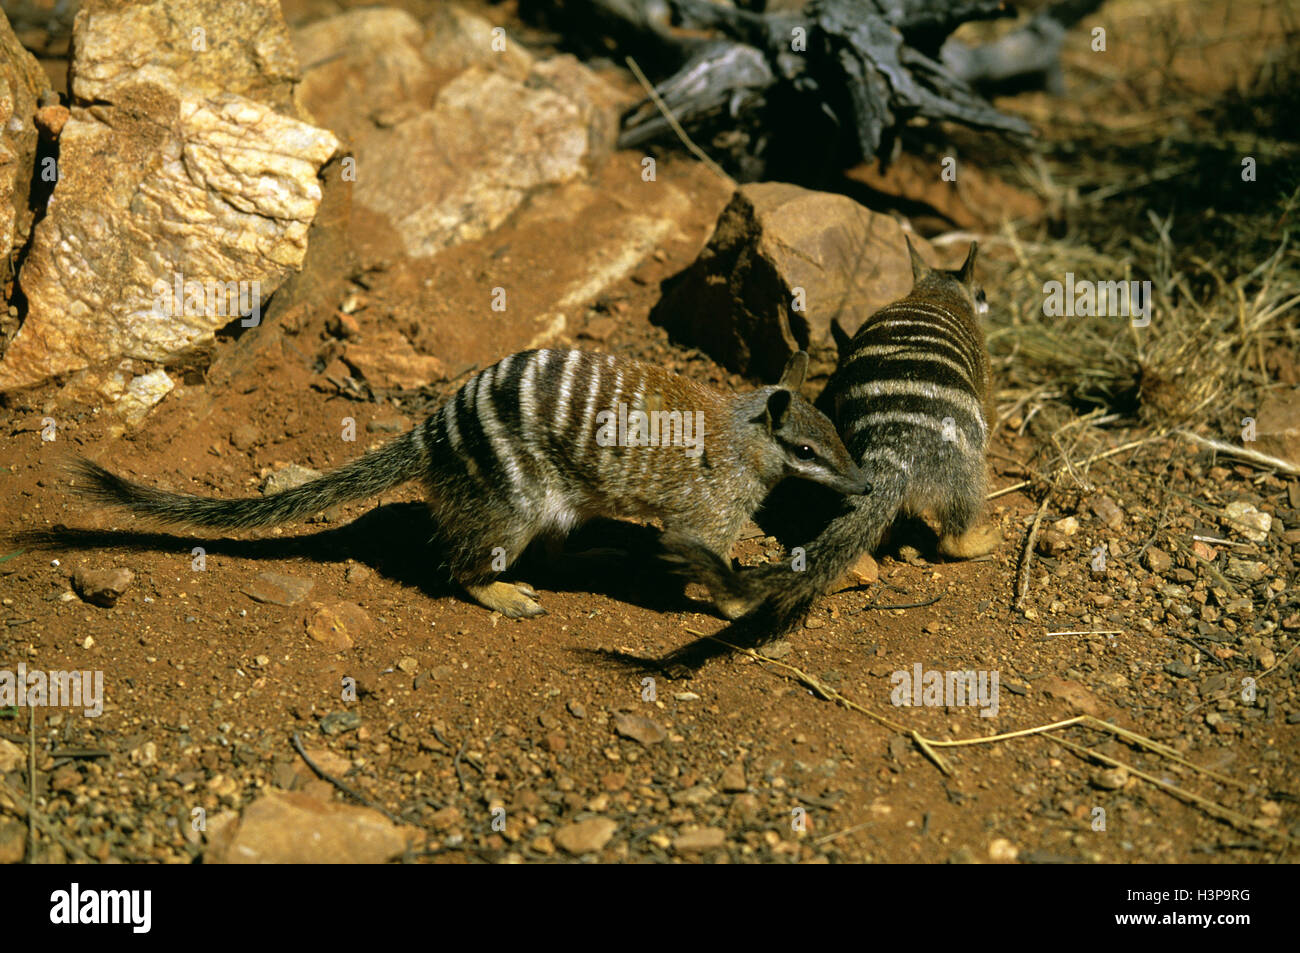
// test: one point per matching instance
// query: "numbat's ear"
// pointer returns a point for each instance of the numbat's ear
(796, 369)
(968, 266)
(778, 405)
(919, 268)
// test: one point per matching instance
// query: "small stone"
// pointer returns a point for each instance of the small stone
(102, 587)
(577, 709)
(1180, 669)
(700, 794)
(338, 722)
(288, 478)
(1051, 543)
(585, 837)
(1248, 570)
(334, 626)
(146, 755)
(639, 728)
(1248, 521)
(245, 437)
(1002, 851)
(775, 650)
(1067, 526)
(555, 742)
(391, 423)
(11, 756)
(277, 589)
(1072, 693)
(705, 838)
(1157, 560)
(408, 665)
(1110, 779)
(357, 574)
(1107, 511)
(13, 841)
(446, 819)
(864, 572)
(291, 827)
(733, 778)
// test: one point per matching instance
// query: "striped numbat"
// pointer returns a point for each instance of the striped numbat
(544, 440)
(911, 399)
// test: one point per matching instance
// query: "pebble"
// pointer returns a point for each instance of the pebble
(1157, 560)
(1180, 669)
(11, 756)
(1248, 521)
(585, 837)
(13, 841)
(288, 478)
(733, 779)
(1107, 511)
(577, 709)
(245, 437)
(694, 796)
(277, 589)
(291, 827)
(775, 650)
(1109, 779)
(705, 838)
(357, 573)
(639, 728)
(1002, 851)
(102, 587)
(338, 722)
(1067, 526)
(334, 626)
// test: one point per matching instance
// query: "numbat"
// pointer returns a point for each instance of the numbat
(910, 398)
(545, 440)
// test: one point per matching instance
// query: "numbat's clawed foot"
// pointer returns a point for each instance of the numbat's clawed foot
(511, 599)
(977, 541)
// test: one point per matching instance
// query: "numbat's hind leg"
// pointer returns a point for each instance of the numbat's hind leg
(512, 599)
(976, 541)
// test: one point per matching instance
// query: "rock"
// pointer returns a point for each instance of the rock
(639, 728)
(1180, 669)
(1109, 779)
(864, 572)
(737, 301)
(775, 650)
(585, 837)
(22, 84)
(287, 478)
(1157, 560)
(52, 119)
(12, 757)
(693, 796)
(277, 589)
(290, 827)
(1072, 693)
(458, 40)
(1051, 543)
(471, 160)
(144, 755)
(102, 587)
(733, 778)
(1248, 521)
(336, 626)
(245, 437)
(13, 841)
(1067, 526)
(1248, 570)
(204, 210)
(577, 709)
(445, 819)
(704, 838)
(357, 573)
(142, 394)
(387, 360)
(335, 723)
(1002, 851)
(1277, 426)
(1107, 511)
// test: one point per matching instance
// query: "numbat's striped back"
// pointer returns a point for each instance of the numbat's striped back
(544, 440)
(910, 400)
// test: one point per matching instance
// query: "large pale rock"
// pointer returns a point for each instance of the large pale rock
(207, 47)
(450, 131)
(740, 301)
(289, 827)
(207, 193)
(470, 161)
(22, 83)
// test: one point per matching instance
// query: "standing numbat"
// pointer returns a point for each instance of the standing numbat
(543, 441)
(911, 399)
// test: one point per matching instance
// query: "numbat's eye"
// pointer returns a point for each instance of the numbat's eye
(804, 452)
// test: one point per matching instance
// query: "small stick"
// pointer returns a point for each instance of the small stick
(326, 776)
(1022, 584)
(1252, 455)
(676, 126)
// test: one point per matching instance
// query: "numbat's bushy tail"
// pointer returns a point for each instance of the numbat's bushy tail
(910, 399)
(545, 440)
